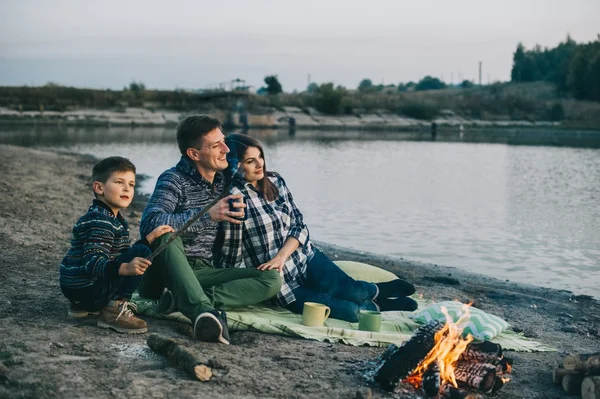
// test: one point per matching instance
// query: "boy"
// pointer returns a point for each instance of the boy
(100, 272)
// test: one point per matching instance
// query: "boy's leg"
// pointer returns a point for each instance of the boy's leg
(326, 277)
(172, 269)
(87, 301)
(340, 309)
(236, 287)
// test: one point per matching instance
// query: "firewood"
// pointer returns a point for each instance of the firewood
(432, 379)
(398, 362)
(559, 373)
(488, 347)
(590, 388)
(180, 356)
(571, 383)
(474, 355)
(449, 392)
(480, 376)
(584, 363)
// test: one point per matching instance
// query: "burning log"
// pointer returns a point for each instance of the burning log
(480, 376)
(432, 379)
(180, 356)
(487, 347)
(398, 362)
(450, 392)
(584, 363)
(474, 355)
(590, 388)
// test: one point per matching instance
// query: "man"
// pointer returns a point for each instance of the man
(185, 266)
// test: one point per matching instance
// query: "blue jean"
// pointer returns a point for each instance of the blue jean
(329, 285)
(102, 292)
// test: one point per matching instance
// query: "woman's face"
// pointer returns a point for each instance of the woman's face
(253, 165)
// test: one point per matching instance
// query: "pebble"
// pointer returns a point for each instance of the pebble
(364, 393)
(567, 315)
(569, 329)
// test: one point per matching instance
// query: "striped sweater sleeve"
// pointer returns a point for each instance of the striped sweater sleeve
(162, 206)
(97, 236)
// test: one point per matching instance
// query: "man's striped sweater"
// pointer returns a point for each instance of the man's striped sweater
(180, 193)
(98, 239)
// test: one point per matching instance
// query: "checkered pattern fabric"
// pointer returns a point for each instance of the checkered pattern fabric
(258, 239)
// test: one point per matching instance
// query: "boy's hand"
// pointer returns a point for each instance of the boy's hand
(136, 267)
(159, 231)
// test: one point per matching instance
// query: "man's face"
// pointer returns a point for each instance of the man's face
(211, 156)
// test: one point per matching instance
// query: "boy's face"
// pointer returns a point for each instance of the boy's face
(117, 192)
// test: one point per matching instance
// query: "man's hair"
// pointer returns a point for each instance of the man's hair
(105, 168)
(192, 129)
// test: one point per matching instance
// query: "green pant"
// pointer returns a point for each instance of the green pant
(199, 287)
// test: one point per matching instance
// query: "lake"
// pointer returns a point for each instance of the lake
(524, 213)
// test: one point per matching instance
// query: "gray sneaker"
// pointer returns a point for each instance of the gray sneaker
(166, 302)
(212, 327)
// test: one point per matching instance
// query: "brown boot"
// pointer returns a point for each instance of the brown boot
(118, 315)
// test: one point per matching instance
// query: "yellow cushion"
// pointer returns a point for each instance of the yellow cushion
(365, 272)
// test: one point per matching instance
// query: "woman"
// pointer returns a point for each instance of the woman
(274, 236)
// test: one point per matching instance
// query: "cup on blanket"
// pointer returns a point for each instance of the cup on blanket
(369, 320)
(314, 314)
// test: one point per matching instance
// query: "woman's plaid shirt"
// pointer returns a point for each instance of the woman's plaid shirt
(259, 238)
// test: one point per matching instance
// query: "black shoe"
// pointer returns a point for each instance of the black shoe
(400, 303)
(212, 327)
(395, 288)
(166, 303)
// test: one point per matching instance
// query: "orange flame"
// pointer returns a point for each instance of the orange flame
(449, 345)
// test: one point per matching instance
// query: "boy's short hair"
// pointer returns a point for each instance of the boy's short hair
(106, 167)
(191, 130)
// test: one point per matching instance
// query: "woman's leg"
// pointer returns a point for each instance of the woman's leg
(326, 277)
(340, 309)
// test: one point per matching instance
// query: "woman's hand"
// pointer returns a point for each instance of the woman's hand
(276, 263)
(159, 231)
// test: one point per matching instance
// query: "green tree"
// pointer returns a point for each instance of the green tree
(329, 99)
(273, 85)
(365, 85)
(430, 83)
(467, 84)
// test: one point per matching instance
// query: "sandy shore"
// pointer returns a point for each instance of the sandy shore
(48, 355)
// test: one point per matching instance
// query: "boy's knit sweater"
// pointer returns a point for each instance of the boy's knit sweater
(98, 239)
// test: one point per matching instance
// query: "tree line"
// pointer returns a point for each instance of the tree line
(573, 67)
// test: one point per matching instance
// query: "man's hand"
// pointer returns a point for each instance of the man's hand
(221, 213)
(136, 267)
(159, 231)
(276, 263)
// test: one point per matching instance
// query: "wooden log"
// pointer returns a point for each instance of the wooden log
(432, 379)
(474, 355)
(571, 383)
(559, 373)
(590, 388)
(584, 363)
(480, 376)
(180, 356)
(449, 392)
(398, 362)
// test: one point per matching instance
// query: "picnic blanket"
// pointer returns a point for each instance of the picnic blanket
(396, 326)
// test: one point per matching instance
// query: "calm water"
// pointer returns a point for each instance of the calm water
(527, 214)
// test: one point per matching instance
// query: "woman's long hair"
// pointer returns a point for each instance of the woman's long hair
(238, 145)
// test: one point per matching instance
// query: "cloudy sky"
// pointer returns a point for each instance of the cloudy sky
(195, 44)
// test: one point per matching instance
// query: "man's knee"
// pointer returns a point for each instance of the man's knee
(272, 279)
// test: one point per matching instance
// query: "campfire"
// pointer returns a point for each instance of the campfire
(441, 363)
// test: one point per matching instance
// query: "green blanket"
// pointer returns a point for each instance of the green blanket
(396, 327)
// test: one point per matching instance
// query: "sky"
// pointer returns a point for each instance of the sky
(195, 44)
